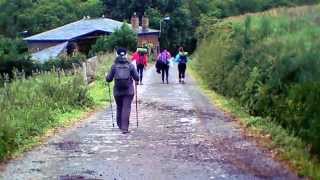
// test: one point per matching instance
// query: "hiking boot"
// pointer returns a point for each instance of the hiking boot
(179, 80)
(123, 131)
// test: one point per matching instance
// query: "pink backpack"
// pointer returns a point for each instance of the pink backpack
(164, 57)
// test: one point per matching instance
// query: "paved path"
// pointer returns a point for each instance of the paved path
(181, 136)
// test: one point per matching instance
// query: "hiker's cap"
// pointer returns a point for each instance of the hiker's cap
(142, 50)
(121, 51)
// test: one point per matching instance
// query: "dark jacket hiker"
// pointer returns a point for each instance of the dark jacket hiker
(162, 65)
(123, 72)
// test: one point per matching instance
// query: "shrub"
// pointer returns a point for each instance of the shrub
(271, 67)
(65, 62)
(14, 55)
(123, 37)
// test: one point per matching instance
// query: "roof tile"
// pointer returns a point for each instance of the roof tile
(82, 27)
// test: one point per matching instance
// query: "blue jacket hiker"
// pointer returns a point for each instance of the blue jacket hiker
(123, 73)
(182, 60)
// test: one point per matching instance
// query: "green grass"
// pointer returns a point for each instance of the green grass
(268, 64)
(62, 121)
(32, 109)
(99, 89)
(288, 148)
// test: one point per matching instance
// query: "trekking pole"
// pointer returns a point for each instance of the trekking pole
(137, 106)
(111, 105)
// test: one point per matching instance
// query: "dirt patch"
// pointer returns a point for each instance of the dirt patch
(90, 172)
(74, 177)
(186, 112)
(261, 139)
(67, 146)
(227, 151)
(2, 168)
(50, 133)
(164, 107)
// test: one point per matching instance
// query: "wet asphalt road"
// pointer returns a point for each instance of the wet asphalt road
(181, 136)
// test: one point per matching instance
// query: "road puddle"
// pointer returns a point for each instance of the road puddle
(189, 120)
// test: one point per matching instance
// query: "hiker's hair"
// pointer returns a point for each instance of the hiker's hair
(181, 49)
(122, 52)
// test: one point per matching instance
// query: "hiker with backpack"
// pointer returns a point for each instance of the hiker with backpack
(182, 60)
(141, 58)
(123, 73)
(163, 62)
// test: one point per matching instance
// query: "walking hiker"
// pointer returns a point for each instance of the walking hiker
(182, 60)
(141, 58)
(123, 73)
(163, 62)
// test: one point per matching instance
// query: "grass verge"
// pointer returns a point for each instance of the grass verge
(99, 90)
(283, 145)
(51, 110)
(64, 120)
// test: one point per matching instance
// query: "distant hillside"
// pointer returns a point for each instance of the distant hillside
(294, 11)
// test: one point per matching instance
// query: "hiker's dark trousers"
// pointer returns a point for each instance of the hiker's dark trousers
(140, 68)
(123, 111)
(182, 70)
(165, 73)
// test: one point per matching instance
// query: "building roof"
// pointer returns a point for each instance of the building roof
(82, 27)
(49, 53)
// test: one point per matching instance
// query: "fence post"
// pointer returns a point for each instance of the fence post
(6, 81)
(59, 75)
(84, 69)
(96, 62)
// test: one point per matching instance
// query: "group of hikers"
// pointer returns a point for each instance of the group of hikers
(163, 64)
(126, 74)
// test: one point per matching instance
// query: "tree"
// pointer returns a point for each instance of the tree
(14, 55)
(124, 37)
(154, 17)
(123, 9)
(37, 16)
(9, 12)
